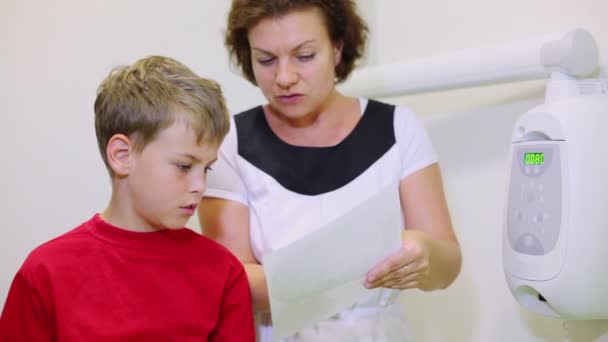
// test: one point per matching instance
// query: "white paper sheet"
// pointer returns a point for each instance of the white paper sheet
(322, 274)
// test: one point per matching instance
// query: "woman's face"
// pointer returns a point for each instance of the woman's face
(293, 62)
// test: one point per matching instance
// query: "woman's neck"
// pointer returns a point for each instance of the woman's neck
(328, 125)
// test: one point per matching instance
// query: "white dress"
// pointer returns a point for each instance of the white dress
(293, 190)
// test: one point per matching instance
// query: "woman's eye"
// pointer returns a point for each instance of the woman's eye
(265, 61)
(306, 57)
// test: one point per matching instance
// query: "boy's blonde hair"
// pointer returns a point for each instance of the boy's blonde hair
(142, 99)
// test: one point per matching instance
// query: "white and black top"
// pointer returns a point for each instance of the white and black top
(293, 190)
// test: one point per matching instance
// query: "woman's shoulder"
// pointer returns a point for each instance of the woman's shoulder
(397, 109)
(249, 113)
(248, 122)
(401, 117)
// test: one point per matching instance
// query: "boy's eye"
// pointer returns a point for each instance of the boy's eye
(208, 168)
(184, 167)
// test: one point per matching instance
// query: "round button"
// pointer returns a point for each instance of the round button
(540, 218)
(535, 219)
(519, 216)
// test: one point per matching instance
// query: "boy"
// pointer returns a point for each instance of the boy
(133, 273)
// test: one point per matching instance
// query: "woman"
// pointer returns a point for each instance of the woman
(311, 154)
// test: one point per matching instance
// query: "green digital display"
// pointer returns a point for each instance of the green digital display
(535, 158)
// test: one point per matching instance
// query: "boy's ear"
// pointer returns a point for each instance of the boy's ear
(118, 152)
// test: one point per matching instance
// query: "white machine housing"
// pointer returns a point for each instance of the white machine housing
(555, 243)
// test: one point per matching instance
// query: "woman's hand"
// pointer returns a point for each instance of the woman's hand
(405, 269)
(429, 258)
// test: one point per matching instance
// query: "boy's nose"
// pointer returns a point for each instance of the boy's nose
(199, 185)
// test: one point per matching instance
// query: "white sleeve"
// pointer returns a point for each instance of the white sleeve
(224, 180)
(414, 143)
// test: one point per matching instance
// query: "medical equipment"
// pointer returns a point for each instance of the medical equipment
(555, 243)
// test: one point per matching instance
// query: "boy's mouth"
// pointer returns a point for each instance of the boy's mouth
(191, 206)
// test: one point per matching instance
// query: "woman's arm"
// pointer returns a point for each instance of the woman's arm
(430, 257)
(227, 222)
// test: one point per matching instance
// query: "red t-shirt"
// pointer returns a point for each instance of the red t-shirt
(102, 283)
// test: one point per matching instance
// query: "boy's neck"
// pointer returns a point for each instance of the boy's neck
(120, 213)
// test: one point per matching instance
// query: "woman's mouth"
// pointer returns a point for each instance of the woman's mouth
(290, 98)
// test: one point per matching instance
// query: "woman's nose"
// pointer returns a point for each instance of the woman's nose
(287, 75)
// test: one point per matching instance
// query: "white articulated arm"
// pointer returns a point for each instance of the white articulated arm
(575, 54)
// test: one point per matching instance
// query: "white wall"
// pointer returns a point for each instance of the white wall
(54, 54)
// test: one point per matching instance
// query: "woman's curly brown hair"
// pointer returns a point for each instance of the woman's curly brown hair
(341, 18)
